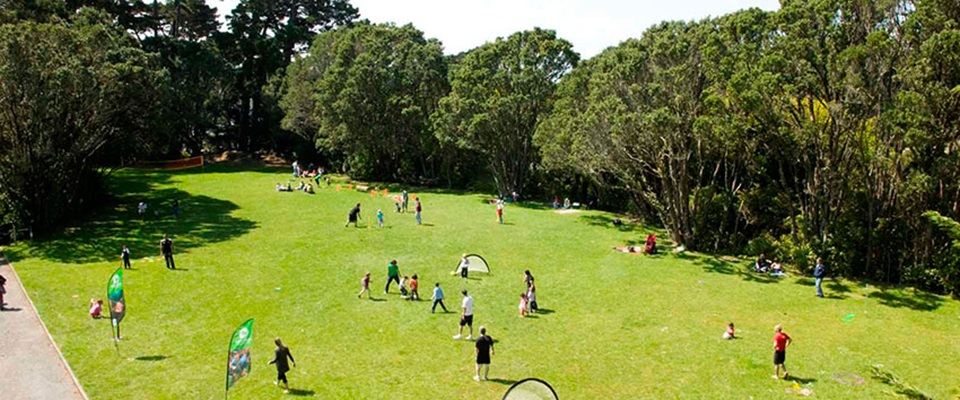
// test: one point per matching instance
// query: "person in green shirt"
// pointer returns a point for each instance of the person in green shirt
(393, 274)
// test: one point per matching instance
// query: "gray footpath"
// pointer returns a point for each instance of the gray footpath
(31, 366)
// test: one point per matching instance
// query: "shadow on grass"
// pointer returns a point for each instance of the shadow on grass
(715, 265)
(302, 393)
(898, 385)
(99, 236)
(151, 358)
(920, 301)
(802, 381)
(606, 220)
(503, 381)
(545, 311)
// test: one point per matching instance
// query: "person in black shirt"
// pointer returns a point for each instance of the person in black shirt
(354, 216)
(166, 247)
(484, 350)
(125, 256)
(176, 209)
(280, 359)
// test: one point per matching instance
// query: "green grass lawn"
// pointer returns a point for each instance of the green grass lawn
(615, 325)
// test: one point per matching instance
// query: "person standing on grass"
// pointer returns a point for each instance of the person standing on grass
(380, 217)
(280, 356)
(142, 209)
(403, 200)
(437, 298)
(414, 287)
(466, 316)
(353, 216)
(166, 247)
(393, 274)
(500, 211)
(818, 273)
(780, 342)
(418, 209)
(125, 256)
(464, 266)
(364, 286)
(528, 278)
(176, 209)
(484, 348)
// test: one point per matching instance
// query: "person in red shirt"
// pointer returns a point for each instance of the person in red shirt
(780, 342)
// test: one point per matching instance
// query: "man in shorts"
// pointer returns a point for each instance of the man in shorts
(484, 350)
(780, 342)
(466, 316)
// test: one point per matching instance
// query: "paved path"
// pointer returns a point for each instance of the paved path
(31, 364)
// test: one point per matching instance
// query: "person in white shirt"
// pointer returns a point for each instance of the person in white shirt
(466, 316)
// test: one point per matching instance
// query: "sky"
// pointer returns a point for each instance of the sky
(590, 25)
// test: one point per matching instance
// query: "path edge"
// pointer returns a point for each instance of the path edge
(63, 361)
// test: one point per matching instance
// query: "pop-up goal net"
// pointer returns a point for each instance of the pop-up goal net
(477, 264)
(530, 389)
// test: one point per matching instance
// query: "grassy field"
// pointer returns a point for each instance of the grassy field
(614, 325)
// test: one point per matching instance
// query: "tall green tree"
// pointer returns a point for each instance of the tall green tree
(365, 94)
(71, 98)
(499, 94)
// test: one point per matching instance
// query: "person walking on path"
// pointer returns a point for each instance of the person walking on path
(818, 273)
(418, 209)
(484, 348)
(437, 299)
(3, 291)
(780, 342)
(404, 198)
(353, 216)
(125, 256)
(280, 356)
(166, 247)
(393, 274)
(466, 316)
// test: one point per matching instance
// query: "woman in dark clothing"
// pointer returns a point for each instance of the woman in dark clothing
(280, 358)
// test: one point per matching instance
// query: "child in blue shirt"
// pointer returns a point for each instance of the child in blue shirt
(380, 217)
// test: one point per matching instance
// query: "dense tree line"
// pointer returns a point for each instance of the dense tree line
(827, 128)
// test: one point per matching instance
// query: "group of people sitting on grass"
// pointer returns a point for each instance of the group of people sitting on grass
(302, 187)
(763, 266)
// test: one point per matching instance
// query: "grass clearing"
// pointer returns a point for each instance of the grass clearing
(615, 325)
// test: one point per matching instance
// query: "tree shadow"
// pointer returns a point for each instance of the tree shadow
(503, 381)
(837, 287)
(606, 221)
(100, 235)
(715, 265)
(920, 301)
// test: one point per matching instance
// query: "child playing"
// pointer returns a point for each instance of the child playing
(397, 203)
(380, 217)
(365, 286)
(403, 286)
(523, 305)
(729, 334)
(437, 298)
(532, 297)
(414, 285)
(96, 308)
